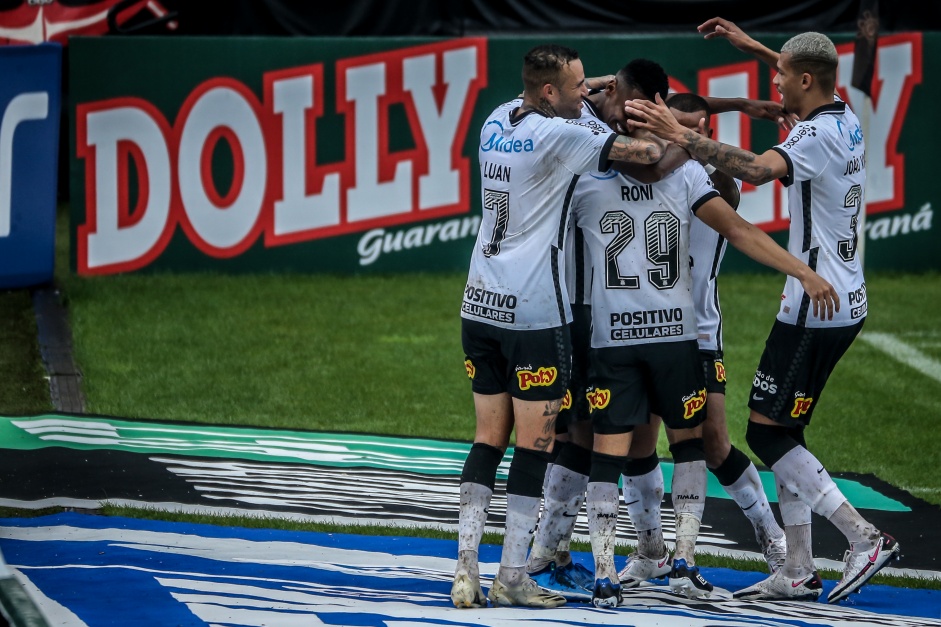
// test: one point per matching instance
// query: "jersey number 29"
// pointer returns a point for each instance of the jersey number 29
(662, 240)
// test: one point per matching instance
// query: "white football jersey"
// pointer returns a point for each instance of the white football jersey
(826, 180)
(577, 257)
(706, 250)
(528, 165)
(638, 237)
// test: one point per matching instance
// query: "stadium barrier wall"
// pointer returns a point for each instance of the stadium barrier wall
(359, 155)
(30, 101)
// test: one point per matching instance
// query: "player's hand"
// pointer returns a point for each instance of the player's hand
(721, 27)
(769, 110)
(826, 300)
(655, 117)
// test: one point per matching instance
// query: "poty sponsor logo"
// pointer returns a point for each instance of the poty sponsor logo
(597, 398)
(567, 400)
(471, 370)
(543, 377)
(720, 371)
(693, 404)
(801, 406)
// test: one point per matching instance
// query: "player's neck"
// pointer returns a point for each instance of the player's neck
(811, 104)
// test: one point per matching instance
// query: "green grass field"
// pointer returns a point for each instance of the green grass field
(382, 355)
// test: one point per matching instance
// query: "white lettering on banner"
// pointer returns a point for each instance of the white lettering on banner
(298, 211)
(902, 224)
(114, 236)
(370, 198)
(22, 108)
(377, 241)
(439, 110)
(221, 225)
(741, 81)
(274, 188)
(899, 70)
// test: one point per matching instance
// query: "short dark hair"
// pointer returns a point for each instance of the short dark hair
(544, 63)
(688, 103)
(647, 76)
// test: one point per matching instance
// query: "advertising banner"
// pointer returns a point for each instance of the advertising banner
(358, 155)
(30, 104)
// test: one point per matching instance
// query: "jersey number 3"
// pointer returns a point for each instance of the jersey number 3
(854, 198)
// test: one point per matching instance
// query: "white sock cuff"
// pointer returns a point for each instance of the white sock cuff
(563, 484)
(829, 501)
(794, 511)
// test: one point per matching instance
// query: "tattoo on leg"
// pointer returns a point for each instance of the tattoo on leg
(553, 408)
(543, 444)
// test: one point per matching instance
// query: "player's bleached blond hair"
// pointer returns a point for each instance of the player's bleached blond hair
(814, 54)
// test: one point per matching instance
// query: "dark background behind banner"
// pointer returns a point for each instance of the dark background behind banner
(454, 18)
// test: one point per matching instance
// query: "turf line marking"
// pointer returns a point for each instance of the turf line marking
(904, 353)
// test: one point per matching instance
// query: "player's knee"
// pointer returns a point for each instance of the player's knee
(730, 469)
(581, 433)
(527, 472)
(481, 465)
(575, 458)
(605, 468)
(637, 467)
(769, 442)
(691, 450)
(644, 441)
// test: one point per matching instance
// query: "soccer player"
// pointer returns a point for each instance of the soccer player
(822, 163)
(515, 312)
(643, 479)
(550, 563)
(644, 355)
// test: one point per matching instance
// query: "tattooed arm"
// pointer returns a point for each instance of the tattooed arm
(742, 164)
(633, 150)
(673, 157)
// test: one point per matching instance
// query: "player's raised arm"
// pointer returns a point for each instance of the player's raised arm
(721, 27)
(755, 109)
(758, 245)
